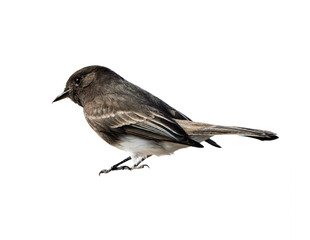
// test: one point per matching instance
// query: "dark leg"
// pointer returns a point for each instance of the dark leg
(116, 166)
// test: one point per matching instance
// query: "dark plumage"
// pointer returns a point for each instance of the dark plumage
(132, 119)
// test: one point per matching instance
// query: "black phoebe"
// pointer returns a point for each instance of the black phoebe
(132, 119)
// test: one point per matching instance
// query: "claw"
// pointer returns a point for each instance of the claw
(104, 171)
(141, 166)
(122, 168)
(114, 169)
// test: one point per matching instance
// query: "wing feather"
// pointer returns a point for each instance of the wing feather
(149, 124)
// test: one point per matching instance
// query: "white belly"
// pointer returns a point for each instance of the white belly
(140, 147)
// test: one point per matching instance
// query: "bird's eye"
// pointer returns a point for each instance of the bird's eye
(78, 80)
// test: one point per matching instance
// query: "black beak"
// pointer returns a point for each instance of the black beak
(62, 96)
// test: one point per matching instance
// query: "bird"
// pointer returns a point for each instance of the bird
(132, 119)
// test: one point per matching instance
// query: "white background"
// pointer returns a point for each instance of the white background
(243, 63)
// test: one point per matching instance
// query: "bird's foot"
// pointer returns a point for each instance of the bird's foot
(123, 168)
(139, 166)
(117, 166)
(114, 169)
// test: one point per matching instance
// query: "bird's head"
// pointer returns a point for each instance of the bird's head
(78, 85)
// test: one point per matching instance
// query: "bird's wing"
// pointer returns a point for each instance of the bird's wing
(146, 124)
(177, 115)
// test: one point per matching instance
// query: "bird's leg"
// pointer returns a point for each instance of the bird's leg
(117, 166)
(138, 166)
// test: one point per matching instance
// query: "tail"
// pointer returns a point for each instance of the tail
(203, 131)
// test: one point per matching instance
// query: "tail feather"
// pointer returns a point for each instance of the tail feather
(208, 130)
(211, 142)
(265, 138)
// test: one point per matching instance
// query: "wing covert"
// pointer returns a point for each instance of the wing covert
(146, 124)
